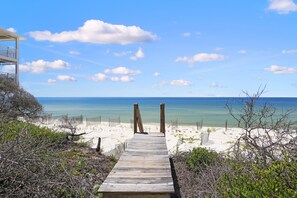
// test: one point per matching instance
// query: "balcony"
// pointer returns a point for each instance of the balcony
(7, 76)
(7, 55)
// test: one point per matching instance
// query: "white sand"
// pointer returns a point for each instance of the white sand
(181, 138)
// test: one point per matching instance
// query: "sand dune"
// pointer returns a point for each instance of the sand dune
(179, 138)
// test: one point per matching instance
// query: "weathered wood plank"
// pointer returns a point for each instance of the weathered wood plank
(143, 168)
(140, 180)
(155, 188)
(142, 165)
(136, 195)
(138, 174)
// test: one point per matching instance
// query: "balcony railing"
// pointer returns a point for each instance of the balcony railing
(7, 75)
(7, 52)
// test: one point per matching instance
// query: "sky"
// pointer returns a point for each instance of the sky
(153, 48)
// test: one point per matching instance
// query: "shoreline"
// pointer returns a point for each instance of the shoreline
(181, 138)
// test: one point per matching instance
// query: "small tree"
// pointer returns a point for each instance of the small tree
(69, 125)
(16, 102)
(267, 136)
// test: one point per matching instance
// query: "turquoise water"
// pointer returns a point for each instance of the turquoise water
(187, 111)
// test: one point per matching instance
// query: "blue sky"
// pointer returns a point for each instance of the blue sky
(155, 48)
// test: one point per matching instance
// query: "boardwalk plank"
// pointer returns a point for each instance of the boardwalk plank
(143, 168)
(149, 188)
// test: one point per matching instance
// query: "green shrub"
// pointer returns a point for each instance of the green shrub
(199, 158)
(278, 179)
(40, 134)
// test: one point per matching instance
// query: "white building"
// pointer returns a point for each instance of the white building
(9, 51)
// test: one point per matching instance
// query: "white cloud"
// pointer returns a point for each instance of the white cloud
(99, 77)
(291, 51)
(51, 81)
(96, 31)
(103, 77)
(138, 54)
(40, 66)
(65, 78)
(187, 34)
(242, 52)
(156, 74)
(122, 71)
(74, 53)
(201, 57)
(123, 74)
(180, 83)
(275, 69)
(11, 30)
(282, 6)
(119, 54)
(121, 79)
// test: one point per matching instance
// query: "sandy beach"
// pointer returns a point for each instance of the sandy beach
(179, 138)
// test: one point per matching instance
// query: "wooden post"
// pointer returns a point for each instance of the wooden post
(162, 118)
(98, 145)
(139, 120)
(135, 117)
(226, 125)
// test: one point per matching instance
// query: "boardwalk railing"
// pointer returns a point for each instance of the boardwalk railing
(137, 119)
(162, 118)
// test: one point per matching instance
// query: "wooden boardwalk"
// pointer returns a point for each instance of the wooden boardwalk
(143, 170)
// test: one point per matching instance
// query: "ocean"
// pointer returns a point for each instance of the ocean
(185, 111)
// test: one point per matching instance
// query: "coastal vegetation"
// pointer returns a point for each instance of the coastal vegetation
(40, 162)
(15, 102)
(262, 162)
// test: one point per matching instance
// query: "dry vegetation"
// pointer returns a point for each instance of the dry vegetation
(38, 162)
(262, 163)
(197, 184)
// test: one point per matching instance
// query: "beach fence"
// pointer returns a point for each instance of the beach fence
(74, 119)
(44, 119)
(93, 121)
(114, 121)
(226, 125)
(199, 125)
(77, 119)
(49, 118)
